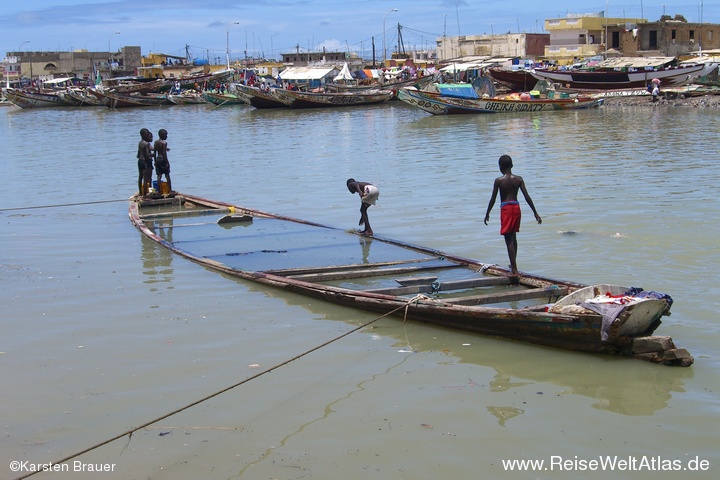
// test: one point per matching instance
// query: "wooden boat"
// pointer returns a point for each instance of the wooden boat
(220, 99)
(515, 80)
(28, 99)
(603, 78)
(187, 98)
(438, 104)
(297, 99)
(128, 86)
(121, 100)
(259, 99)
(394, 86)
(416, 283)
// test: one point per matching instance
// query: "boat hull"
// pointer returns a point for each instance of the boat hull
(25, 99)
(615, 80)
(297, 99)
(437, 104)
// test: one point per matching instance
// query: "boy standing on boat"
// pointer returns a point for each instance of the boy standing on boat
(145, 162)
(162, 164)
(369, 194)
(508, 185)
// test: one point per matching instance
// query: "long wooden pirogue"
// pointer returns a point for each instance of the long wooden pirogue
(417, 283)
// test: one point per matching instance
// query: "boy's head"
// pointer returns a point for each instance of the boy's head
(162, 133)
(350, 182)
(505, 163)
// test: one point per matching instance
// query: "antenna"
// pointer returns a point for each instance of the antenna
(458, 18)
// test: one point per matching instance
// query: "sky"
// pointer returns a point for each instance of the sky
(207, 29)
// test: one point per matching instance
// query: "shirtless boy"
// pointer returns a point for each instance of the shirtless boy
(162, 164)
(369, 194)
(508, 186)
(145, 162)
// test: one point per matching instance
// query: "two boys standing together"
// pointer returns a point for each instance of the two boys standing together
(147, 153)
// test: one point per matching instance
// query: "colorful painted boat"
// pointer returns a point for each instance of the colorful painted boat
(296, 99)
(438, 104)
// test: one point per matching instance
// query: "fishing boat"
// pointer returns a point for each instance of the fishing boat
(187, 98)
(120, 100)
(520, 80)
(297, 99)
(28, 99)
(439, 104)
(623, 75)
(392, 85)
(220, 99)
(259, 98)
(415, 283)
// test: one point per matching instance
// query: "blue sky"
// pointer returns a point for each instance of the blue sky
(271, 27)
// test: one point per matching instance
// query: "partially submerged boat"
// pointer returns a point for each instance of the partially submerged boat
(415, 283)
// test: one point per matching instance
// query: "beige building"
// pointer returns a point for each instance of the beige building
(524, 45)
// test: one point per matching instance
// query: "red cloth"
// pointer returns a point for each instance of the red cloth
(509, 218)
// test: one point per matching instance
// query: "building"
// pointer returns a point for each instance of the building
(525, 45)
(673, 37)
(79, 63)
(579, 36)
(301, 59)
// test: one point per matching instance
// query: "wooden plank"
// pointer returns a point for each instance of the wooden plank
(411, 281)
(443, 286)
(372, 272)
(183, 213)
(510, 296)
(336, 268)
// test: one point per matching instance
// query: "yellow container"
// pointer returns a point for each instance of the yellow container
(164, 188)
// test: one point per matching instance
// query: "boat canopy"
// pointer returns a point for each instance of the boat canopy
(305, 74)
(457, 90)
(344, 74)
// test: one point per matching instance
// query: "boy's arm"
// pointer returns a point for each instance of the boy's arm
(529, 201)
(491, 204)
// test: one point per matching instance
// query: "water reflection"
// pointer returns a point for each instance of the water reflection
(365, 243)
(157, 260)
(620, 385)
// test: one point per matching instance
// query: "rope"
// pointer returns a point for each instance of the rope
(129, 433)
(61, 205)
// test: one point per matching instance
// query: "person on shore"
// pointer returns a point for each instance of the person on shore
(145, 162)
(655, 92)
(369, 194)
(508, 185)
(162, 164)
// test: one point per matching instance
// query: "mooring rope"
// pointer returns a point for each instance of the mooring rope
(61, 205)
(129, 433)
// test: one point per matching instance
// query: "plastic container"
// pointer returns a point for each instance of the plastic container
(164, 188)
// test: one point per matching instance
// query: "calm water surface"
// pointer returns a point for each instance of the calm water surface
(103, 331)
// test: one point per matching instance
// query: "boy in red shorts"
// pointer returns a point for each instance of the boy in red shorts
(508, 185)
